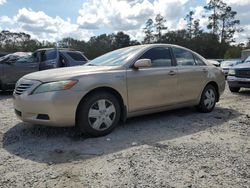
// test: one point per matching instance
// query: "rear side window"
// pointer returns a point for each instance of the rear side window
(198, 61)
(183, 57)
(76, 56)
(49, 55)
(160, 57)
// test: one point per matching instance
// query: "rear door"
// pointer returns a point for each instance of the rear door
(192, 74)
(154, 86)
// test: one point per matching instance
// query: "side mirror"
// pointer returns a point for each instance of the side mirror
(142, 63)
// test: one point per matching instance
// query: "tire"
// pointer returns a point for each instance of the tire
(234, 89)
(98, 114)
(208, 99)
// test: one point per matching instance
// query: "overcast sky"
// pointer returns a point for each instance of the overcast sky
(54, 19)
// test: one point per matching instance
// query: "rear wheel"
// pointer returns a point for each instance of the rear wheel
(208, 99)
(98, 114)
(234, 89)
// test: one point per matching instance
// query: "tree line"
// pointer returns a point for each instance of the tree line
(214, 41)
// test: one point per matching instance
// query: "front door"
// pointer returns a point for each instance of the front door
(155, 86)
(13, 71)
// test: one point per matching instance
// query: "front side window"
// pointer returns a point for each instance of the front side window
(198, 61)
(183, 57)
(160, 57)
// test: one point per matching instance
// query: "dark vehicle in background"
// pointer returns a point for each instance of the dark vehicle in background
(239, 77)
(42, 59)
(3, 54)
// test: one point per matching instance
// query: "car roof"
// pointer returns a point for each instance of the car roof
(60, 49)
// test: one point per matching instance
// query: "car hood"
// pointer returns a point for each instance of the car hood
(243, 65)
(68, 73)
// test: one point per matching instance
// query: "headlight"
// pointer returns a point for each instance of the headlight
(55, 86)
(231, 72)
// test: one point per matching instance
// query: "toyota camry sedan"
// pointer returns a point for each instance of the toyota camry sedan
(121, 84)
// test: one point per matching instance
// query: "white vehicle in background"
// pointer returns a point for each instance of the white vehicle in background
(214, 62)
(227, 64)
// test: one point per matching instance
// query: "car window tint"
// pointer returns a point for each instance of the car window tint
(63, 62)
(160, 57)
(49, 55)
(198, 61)
(76, 56)
(183, 57)
(27, 59)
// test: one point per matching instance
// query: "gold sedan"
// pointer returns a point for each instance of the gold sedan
(121, 84)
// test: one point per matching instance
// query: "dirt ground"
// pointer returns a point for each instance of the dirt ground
(180, 148)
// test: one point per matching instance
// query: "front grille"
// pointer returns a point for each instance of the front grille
(244, 73)
(21, 88)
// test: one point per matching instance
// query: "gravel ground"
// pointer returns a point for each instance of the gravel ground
(180, 148)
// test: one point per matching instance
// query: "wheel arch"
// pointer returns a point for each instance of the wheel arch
(213, 83)
(109, 90)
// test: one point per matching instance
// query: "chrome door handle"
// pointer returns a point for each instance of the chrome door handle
(171, 73)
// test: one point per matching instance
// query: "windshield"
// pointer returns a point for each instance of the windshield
(116, 58)
(26, 59)
(5, 57)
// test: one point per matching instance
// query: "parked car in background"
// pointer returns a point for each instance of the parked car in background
(13, 57)
(214, 62)
(227, 64)
(247, 60)
(3, 54)
(239, 77)
(124, 83)
(42, 59)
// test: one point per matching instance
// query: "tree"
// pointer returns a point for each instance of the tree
(148, 31)
(222, 20)
(189, 18)
(229, 24)
(121, 40)
(197, 31)
(215, 6)
(248, 43)
(159, 26)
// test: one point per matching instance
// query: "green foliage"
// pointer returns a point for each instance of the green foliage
(233, 52)
(222, 20)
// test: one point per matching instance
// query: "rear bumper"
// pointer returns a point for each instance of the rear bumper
(238, 82)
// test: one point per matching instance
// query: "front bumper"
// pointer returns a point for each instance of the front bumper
(234, 81)
(56, 108)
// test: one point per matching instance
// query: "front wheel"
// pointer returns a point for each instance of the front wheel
(234, 89)
(98, 114)
(208, 99)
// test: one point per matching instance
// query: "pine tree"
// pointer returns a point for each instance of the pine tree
(159, 26)
(148, 31)
(189, 18)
